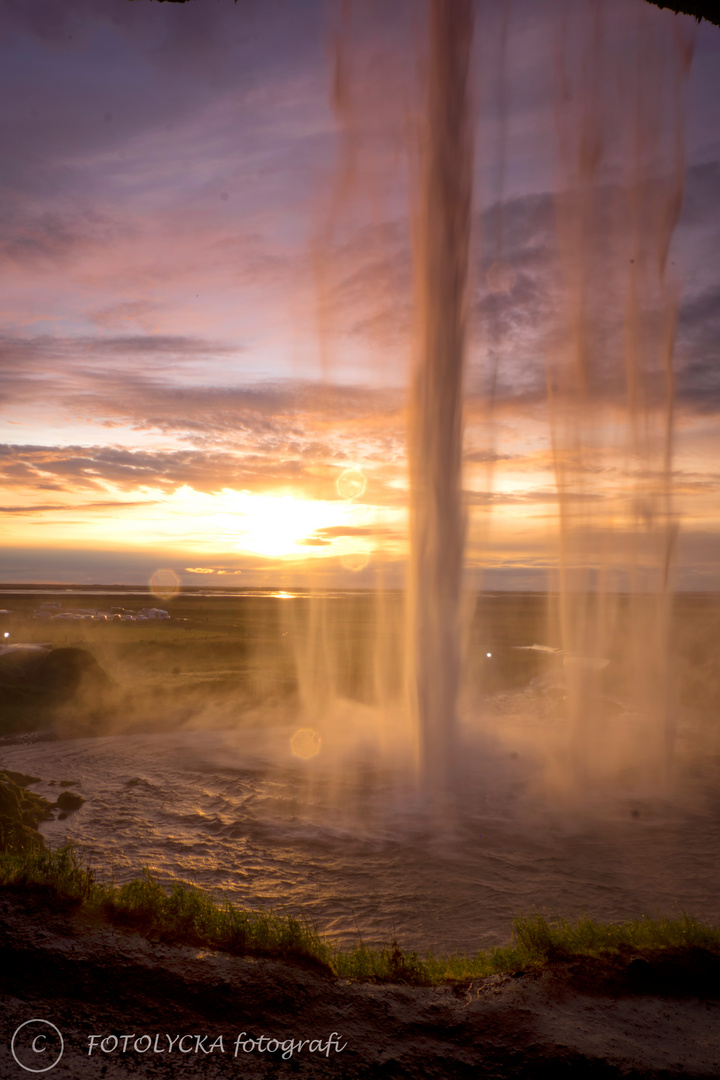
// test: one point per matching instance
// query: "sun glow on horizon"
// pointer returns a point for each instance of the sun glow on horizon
(282, 526)
(277, 525)
(202, 525)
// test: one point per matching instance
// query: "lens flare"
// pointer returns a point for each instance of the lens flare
(305, 743)
(351, 484)
(165, 584)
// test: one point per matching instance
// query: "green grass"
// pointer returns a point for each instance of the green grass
(182, 914)
(188, 915)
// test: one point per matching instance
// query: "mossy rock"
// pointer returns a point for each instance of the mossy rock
(21, 812)
(20, 778)
(9, 797)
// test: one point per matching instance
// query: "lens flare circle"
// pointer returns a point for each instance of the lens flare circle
(165, 584)
(351, 484)
(305, 743)
(500, 278)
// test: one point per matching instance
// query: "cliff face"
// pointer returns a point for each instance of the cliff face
(700, 9)
(601, 1018)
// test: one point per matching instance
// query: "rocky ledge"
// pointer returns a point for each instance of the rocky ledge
(173, 1011)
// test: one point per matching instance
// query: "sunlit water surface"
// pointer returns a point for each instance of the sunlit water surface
(350, 848)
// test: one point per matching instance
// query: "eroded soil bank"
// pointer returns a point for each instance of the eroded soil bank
(656, 1017)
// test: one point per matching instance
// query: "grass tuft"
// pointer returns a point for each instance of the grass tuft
(188, 915)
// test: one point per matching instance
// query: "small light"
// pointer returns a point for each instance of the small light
(488, 654)
(6, 634)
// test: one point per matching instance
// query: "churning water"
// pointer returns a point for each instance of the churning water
(235, 811)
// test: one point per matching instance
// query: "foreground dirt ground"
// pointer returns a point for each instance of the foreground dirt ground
(626, 1018)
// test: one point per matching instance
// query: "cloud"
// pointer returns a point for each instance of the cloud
(531, 496)
(70, 370)
(698, 375)
(38, 508)
(168, 214)
(523, 315)
(267, 463)
(48, 239)
(324, 537)
(701, 196)
(485, 456)
(333, 531)
(41, 508)
(210, 570)
(68, 65)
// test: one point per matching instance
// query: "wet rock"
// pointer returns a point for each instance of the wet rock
(69, 800)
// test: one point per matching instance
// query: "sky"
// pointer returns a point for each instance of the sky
(207, 308)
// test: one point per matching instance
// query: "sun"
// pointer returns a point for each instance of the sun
(276, 525)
